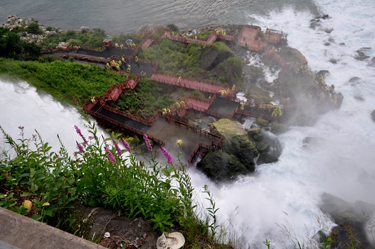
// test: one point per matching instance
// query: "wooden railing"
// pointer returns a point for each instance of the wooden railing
(108, 119)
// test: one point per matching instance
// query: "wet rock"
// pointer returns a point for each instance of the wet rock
(237, 156)
(324, 73)
(359, 98)
(351, 219)
(312, 141)
(372, 62)
(316, 21)
(256, 134)
(262, 122)
(229, 168)
(258, 95)
(328, 30)
(361, 56)
(327, 44)
(263, 148)
(278, 128)
(333, 61)
(373, 115)
(342, 44)
(266, 158)
(354, 79)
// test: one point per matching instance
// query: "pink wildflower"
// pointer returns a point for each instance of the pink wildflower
(21, 127)
(57, 156)
(110, 155)
(80, 148)
(119, 152)
(149, 147)
(126, 145)
(167, 155)
(80, 133)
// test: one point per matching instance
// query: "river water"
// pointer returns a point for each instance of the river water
(286, 193)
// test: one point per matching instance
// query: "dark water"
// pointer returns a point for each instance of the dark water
(124, 16)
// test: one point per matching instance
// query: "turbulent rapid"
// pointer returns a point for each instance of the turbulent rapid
(286, 195)
(282, 194)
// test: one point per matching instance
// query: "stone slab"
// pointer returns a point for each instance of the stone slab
(23, 232)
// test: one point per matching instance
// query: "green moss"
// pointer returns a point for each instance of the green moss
(262, 122)
(62, 78)
(173, 27)
(221, 48)
(91, 39)
(236, 62)
(204, 35)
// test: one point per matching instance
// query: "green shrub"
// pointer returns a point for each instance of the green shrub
(204, 35)
(173, 27)
(197, 93)
(71, 59)
(37, 182)
(33, 28)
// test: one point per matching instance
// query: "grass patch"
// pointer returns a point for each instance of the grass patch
(175, 57)
(62, 78)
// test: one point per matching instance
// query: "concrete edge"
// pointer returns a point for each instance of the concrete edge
(26, 233)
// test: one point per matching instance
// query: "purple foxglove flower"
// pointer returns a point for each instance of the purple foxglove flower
(91, 137)
(110, 155)
(80, 148)
(126, 145)
(119, 152)
(149, 147)
(167, 155)
(80, 133)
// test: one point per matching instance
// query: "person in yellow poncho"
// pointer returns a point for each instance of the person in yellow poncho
(179, 142)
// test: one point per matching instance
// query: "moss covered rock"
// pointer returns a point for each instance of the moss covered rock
(278, 128)
(221, 166)
(262, 122)
(236, 146)
(214, 54)
(255, 133)
(229, 72)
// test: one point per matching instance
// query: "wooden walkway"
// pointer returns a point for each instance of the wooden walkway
(191, 83)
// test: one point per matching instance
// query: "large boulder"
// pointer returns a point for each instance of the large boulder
(220, 166)
(260, 96)
(214, 54)
(229, 71)
(237, 156)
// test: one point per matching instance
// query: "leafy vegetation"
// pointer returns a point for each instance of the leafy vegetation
(175, 57)
(33, 28)
(45, 185)
(91, 39)
(204, 35)
(221, 48)
(173, 27)
(60, 79)
(12, 47)
(147, 98)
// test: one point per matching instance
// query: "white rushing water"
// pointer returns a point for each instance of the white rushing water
(23, 105)
(288, 192)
